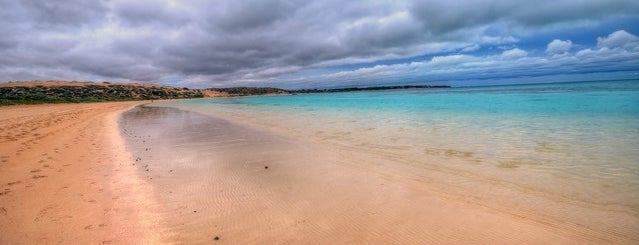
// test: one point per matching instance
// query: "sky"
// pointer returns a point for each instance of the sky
(318, 44)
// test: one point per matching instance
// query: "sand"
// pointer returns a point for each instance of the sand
(66, 177)
(210, 176)
(69, 175)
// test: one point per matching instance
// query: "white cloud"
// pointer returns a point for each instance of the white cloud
(558, 46)
(618, 39)
(514, 53)
(470, 48)
(497, 40)
(450, 59)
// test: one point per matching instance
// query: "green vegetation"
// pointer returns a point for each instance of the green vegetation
(17, 93)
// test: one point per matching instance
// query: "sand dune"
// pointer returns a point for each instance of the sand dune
(66, 177)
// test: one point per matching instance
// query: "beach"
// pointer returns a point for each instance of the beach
(221, 178)
(190, 173)
(319, 122)
(67, 178)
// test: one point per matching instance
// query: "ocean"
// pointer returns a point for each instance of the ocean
(567, 150)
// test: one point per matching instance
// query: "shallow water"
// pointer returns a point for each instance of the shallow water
(572, 140)
(558, 151)
(210, 176)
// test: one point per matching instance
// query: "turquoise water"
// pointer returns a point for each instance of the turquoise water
(579, 139)
(612, 98)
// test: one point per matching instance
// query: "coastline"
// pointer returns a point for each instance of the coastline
(67, 178)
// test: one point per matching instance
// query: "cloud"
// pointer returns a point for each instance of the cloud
(442, 17)
(248, 15)
(558, 46)
(203, 43)
(510, 64)
(61, 14)
(548, 12)
(151, 12)
(514, 53)
(497, 40)
(471, 48)
(618, 39)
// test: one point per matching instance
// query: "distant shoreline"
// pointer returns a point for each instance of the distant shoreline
(53, 92)
(352, 89)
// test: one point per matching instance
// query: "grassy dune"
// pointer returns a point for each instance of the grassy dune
(38, 92)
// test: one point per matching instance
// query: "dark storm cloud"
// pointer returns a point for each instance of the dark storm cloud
(441, 17)
(53, 14)
(216, 42)
(141, 13)
(241, 16)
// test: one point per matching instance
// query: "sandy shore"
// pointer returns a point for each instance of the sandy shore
(66, 177)
(210, 176)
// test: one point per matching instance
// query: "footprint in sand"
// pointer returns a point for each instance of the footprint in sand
(14, 183)
(44, 212)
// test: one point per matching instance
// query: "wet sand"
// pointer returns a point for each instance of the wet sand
(66, 177)
(219, 179)
(82, 174)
